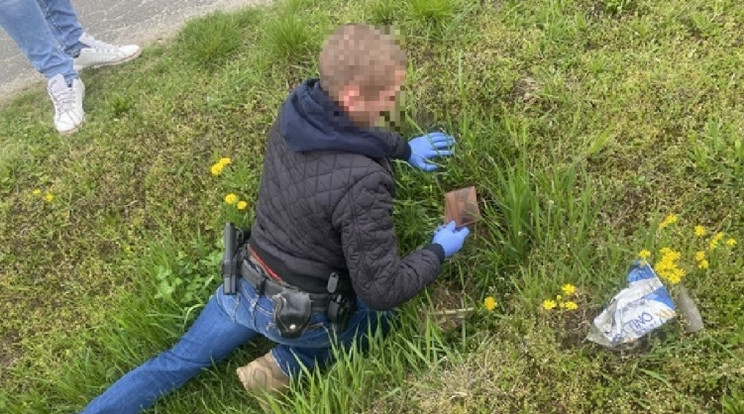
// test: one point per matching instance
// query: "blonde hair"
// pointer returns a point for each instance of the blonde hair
(361, 55)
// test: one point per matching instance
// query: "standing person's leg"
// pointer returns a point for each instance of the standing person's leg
(25, 24)
(64, 24)
(214, 334)
(87, 51)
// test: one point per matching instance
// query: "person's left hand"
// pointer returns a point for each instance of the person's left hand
(426, 147)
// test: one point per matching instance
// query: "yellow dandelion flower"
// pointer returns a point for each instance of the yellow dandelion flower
(703, 264)
(670, 219)
(674, 255)
(665, 251)
(715, 240)
(490, 303)
(224, 161)
(731, 242)
(699, 231)
(49, 197)
(675, 275)
(671, 277)
(644, 254)
(231, 198)
(571, 305)
(549, 304)
(668, 268)
(36, 192)
(568, 289)
(216, 169)
(242, 205)
(699, 256)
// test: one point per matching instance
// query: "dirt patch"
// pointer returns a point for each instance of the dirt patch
(448, 311)
(525, 90)
(9, 352)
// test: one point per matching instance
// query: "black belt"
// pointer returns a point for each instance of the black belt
(265, 285)
(304, 282)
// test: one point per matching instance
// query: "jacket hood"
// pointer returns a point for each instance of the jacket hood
(311, 121)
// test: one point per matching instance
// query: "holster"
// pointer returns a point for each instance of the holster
(340, 309)
(292, 312)
(340, 306)
(293, 308)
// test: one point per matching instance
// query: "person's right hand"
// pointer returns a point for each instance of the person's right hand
(450, 238)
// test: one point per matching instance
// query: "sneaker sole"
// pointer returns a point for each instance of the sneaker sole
(73, 130)
(114, 63)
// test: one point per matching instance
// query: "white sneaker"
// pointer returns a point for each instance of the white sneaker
(68, 103)
(102, 54)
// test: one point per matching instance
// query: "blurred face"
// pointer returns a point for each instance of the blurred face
(366, 111)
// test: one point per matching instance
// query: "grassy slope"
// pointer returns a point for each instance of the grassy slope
(581, 123)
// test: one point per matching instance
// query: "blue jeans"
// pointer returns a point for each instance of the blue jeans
(46, 31)
(226, 322)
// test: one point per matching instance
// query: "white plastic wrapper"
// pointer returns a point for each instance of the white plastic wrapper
(637, 310)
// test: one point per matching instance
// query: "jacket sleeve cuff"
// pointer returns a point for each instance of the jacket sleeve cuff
(402, 150)
(437, 249)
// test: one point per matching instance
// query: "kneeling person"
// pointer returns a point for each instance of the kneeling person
(323, 239)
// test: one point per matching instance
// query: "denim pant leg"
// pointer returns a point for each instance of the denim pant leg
(25, 24)
(63, 21)
(214, 334)
(314, 349)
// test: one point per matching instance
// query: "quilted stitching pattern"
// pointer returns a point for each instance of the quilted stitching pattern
(326, 211)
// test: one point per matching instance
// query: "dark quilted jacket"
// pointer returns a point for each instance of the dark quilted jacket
(325, 202)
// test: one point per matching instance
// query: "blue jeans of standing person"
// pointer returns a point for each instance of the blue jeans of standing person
(46, 31)
(226, 322)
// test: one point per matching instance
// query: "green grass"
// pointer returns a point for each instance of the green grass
(581, 124)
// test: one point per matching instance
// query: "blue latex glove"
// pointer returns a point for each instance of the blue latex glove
(450, 238)
(429, 146)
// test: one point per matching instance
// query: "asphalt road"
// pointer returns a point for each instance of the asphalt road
(139, 22)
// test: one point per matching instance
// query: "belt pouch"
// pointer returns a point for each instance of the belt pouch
(292, 312)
